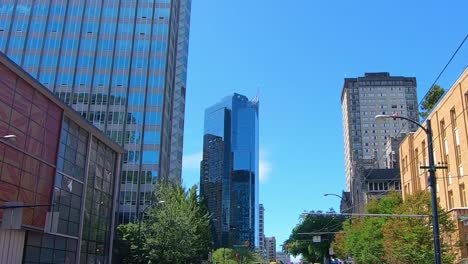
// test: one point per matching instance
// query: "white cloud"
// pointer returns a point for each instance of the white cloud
(264, 166)
(192, 161)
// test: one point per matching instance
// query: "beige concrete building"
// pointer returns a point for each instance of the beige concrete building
(270, 244)
(449, 121)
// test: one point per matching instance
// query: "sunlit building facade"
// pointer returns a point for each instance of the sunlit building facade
(229, 171)
(365, 139)
(270, 244)
(122, 66)
(450, 145)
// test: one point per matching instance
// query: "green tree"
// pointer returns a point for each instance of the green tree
(431, 100)
(410, 240)
(396, 240)
(302, 243)
(126, 248)
(363, 238)
(224, 255)
(176, 231)
(236, 256)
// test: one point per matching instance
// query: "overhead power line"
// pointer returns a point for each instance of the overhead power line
(370, 215)
(321, 233)
(443, 70)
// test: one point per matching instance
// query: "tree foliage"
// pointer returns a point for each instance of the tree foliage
(364, 237)
(431, 100)
(410, 240)
(302, 244)
(176, 231)
(235, 256)
(396, 240)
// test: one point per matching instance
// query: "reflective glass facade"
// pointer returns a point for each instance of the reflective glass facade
(121, 65)
(229, 170)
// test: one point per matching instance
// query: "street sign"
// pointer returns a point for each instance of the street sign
(316, 239)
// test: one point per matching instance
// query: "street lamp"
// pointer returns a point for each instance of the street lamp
(11, 136)
(140, 219)
(342, 199)
(432, 180)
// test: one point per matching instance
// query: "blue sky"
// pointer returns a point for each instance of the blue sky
(296, 54)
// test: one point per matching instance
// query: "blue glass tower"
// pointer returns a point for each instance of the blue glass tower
(122, 65)
(229, 170)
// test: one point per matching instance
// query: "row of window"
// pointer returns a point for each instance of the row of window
(151, 118)
(146, 177)
(384, 186)
(409, 85)
(147, 157)
(130, 198)
(462, 192)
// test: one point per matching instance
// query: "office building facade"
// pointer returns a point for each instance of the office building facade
(450, 145)
(122, 66)
(61, 168)
(229, 171)
(270, 244)
(261, 229)
(365, 139)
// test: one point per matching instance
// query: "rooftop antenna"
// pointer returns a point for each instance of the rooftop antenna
(256, 99)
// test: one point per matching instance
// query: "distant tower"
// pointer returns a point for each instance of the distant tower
(270, 243)
(365, 139)
(262, 229)
(229, 170)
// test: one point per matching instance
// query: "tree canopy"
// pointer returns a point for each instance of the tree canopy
(430, 100)
(235, 256)
(323, 225)
(176, 231)
(396, 240)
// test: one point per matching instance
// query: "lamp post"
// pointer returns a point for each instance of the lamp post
(341, 197)
(140, 219)
(432, 181)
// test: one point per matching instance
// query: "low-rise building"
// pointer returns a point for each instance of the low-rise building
(282, 257)
(58, 177)
(379, 182)
(449, 122)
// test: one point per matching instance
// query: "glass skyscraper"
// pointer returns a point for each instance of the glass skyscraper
(229, 171)
(122, 66)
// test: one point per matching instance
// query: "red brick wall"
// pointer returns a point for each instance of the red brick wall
(25, 175)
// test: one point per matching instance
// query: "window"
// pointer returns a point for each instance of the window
(450, 200)
(446, 153)
(466, 100)
(453, 117)
(457, 147)
(462, 195)
(416, 154)
(442, 129)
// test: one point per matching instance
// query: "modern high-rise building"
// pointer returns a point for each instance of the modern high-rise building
(229, 171)
(365, 139)
(122, 66)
